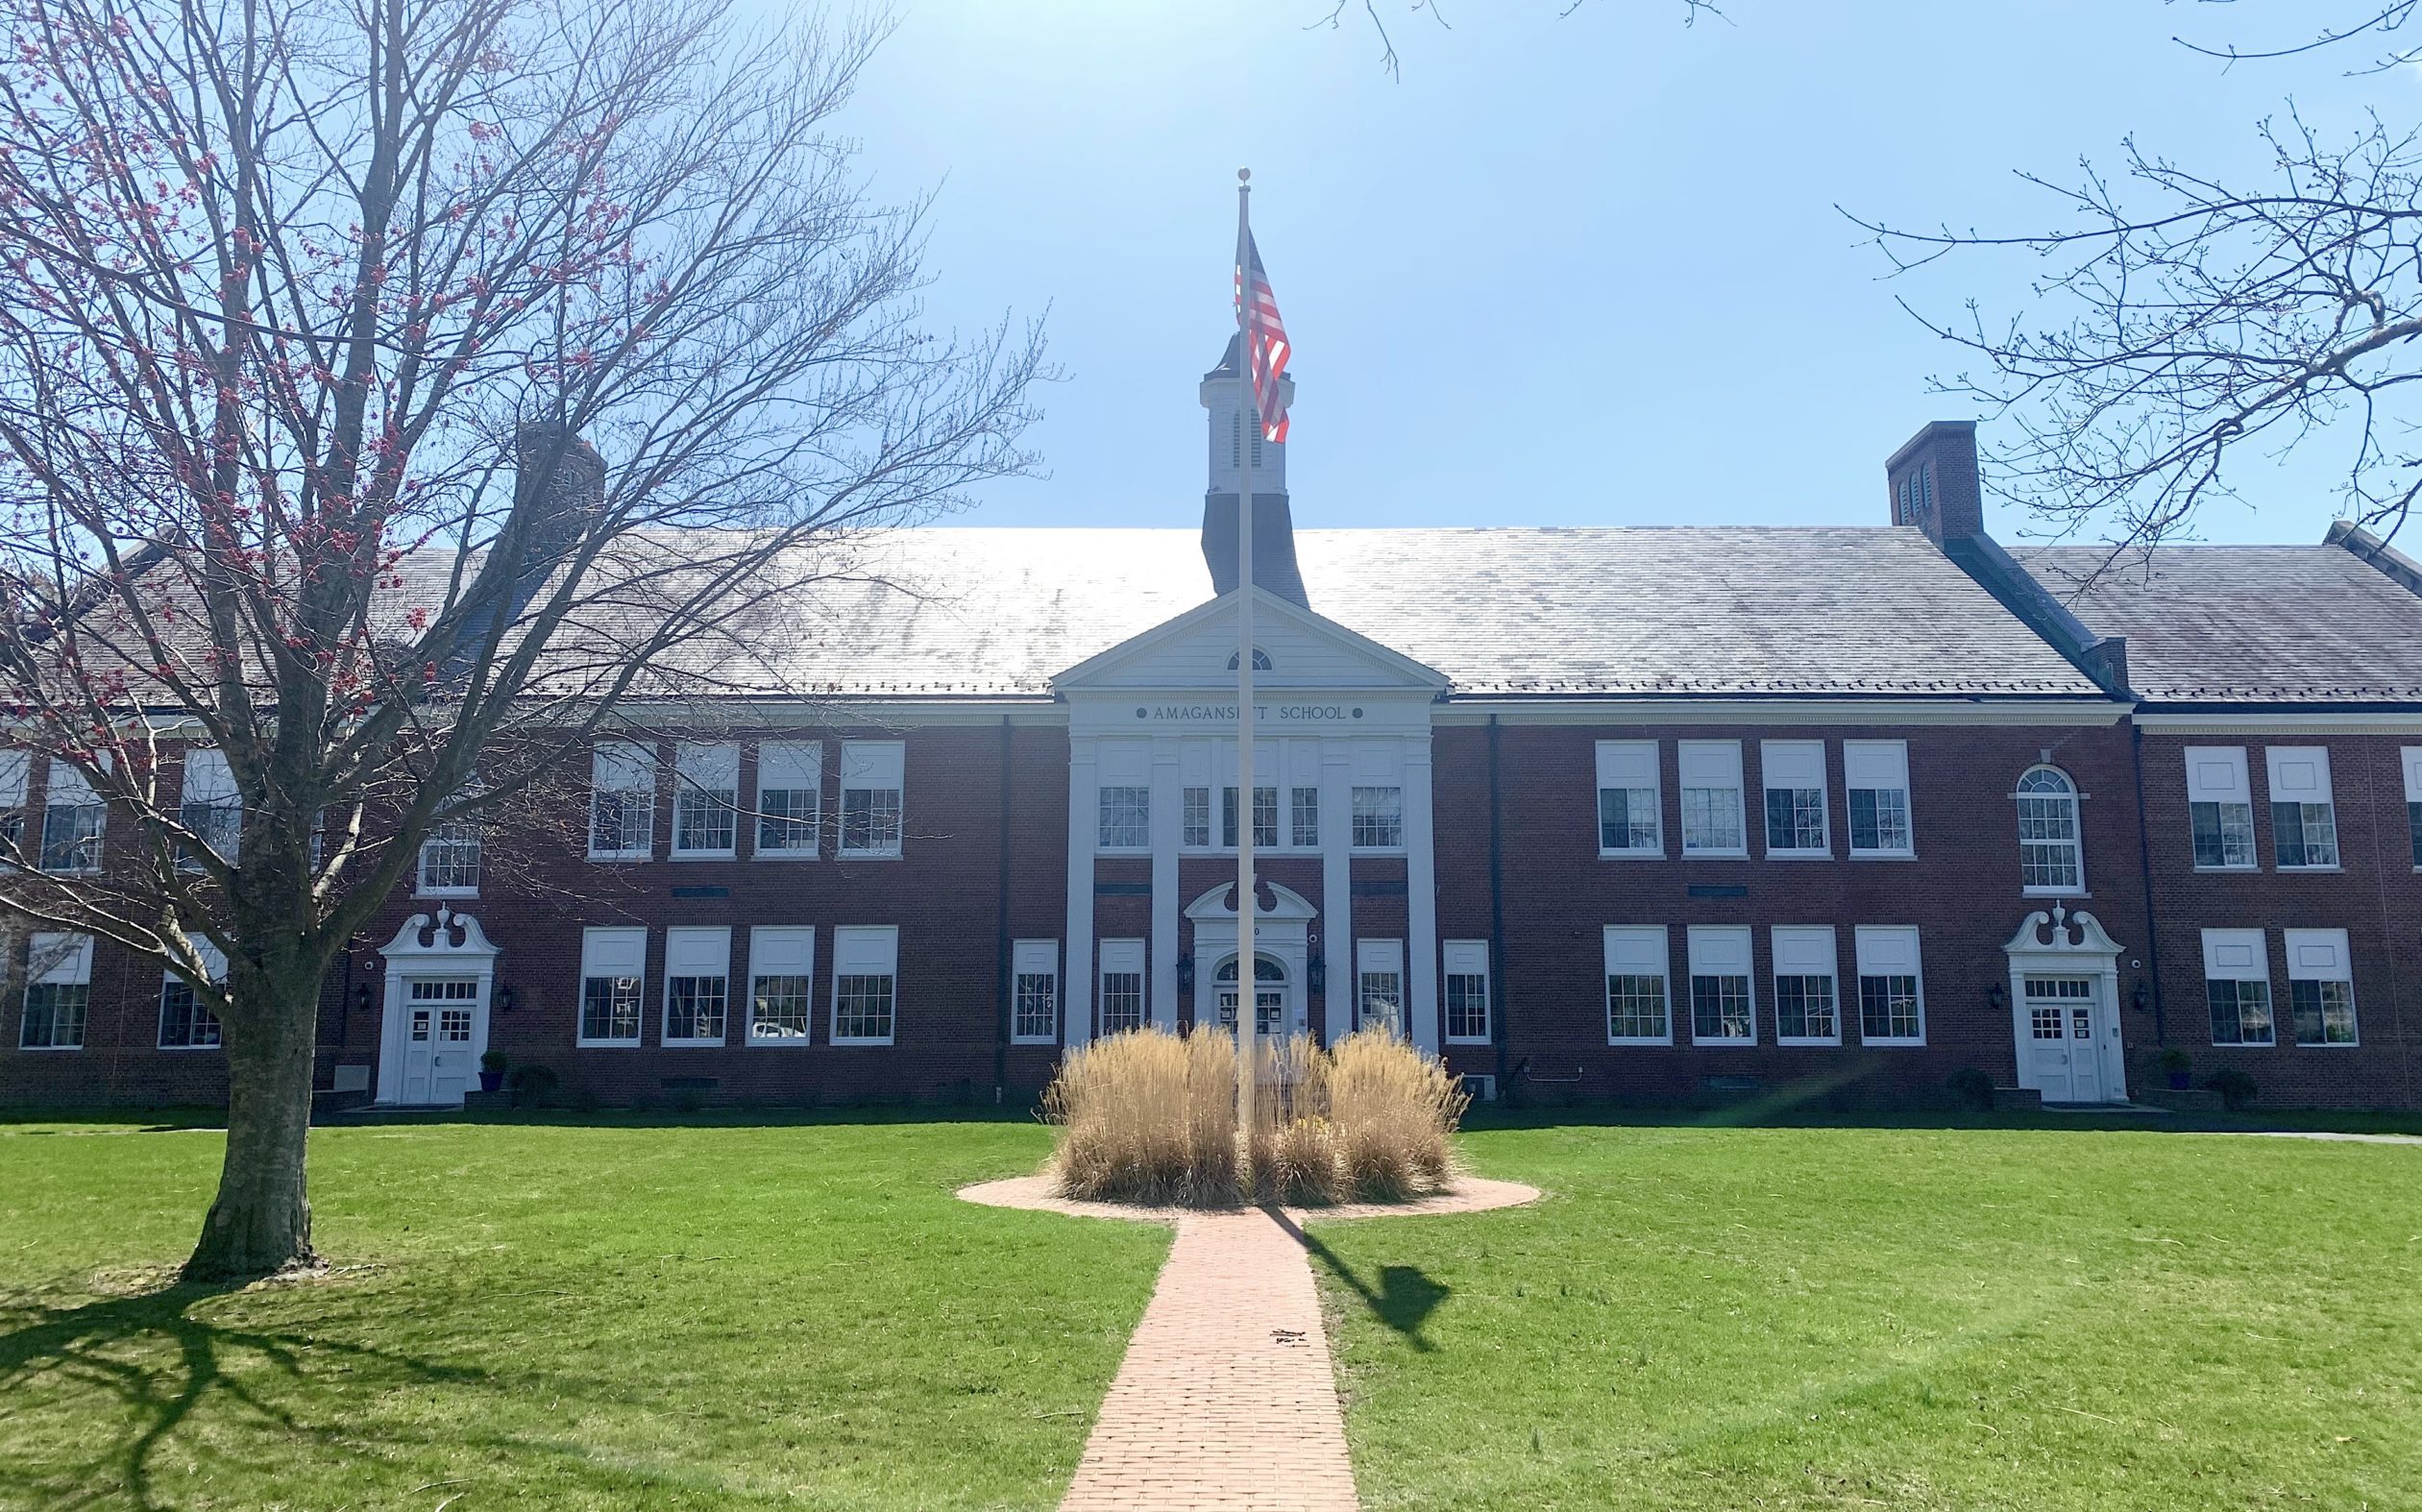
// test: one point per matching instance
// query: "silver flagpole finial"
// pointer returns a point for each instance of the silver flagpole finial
(1244, 176)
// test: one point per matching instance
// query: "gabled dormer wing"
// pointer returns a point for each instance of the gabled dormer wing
(1304, 650)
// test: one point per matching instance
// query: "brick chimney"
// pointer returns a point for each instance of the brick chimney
(1235, 444)
(1932, 483)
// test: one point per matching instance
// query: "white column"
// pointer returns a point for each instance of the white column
(1168, 831)
(1421, 898)
(1076, 996)
(1337, 883)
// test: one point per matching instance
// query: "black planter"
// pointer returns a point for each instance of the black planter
(492, 1080)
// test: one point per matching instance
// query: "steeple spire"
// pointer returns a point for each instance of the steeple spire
(1235, 443)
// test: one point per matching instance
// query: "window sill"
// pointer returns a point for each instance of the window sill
(2054, 892)
(1798, 855)
(1631, 855)
(1698, 1043)
(1469, 1039)
(1883, 855)
(1665, 1041)
(621, 855)
(2247, 869)
(606, 1044)
(2245, 1044)
(843, 1043)
(445, 893)
(1891, 1045)
(2333, 866)
(2326, 1044)
(703, 855)
(867, 855)
(786, 855)
(1689, 854)
(1033, 1039)
(778, 1042)
(38, 1050)
(1834, 1044)
(183, 1049)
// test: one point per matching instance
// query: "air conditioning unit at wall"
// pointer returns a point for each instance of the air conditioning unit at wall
(1483, 1088)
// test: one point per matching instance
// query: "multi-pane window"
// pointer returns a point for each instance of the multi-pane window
(2221, 807)
(1266, 817)
(1122, 997)
(2237, 985)
(1710, 779)
(790, 797)
(1806, 997)
(1627, 799)
(210, 807)
(1639, 1009)
(697, 984)
(1467, 992)
(872, 777)
(2320, 987)
(185, 1023)
(2412, 755)
(449, 859)
(1035, 991)
(1304, 817)
(1891, 993)
(866, 974)
(1378, 819)
(1125, 818)
(613, 969)
(705, 800)
(2051, 856)
(58, 991)
(1196, 805)
(1722, 1008)
(1875, 776)
(781, 977)
(72, 819)
(622, 801)
(1379, 997)
(2302, 815)
(16, 770)
(1794, 773)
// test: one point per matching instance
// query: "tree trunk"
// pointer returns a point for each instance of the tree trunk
(261, 1220)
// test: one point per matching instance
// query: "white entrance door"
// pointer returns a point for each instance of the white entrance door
(2062, 1049)
(444, 1027)
(1270, 1017)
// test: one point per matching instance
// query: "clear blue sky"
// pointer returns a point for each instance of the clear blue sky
(1582, 271)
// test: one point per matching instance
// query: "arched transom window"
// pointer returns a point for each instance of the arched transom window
(2051, 852)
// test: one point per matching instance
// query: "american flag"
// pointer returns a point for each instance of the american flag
(1267, 347)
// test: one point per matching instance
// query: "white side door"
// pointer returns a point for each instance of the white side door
(445, 1031)
(2061, 1054)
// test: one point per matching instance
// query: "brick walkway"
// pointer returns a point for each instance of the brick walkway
(1226, 1398)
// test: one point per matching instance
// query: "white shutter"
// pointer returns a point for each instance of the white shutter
(1804, 950)
(1876, 765)
(711, 769)
(1379, 762)
(872, 764)
(68, 786)
(1793, 763)
(1709, 764)
(2234, 955)
(1720, 950)
(58, 957)
(2217, 774)
(1121, 955)
(2317, 955)
(1888, 950)
(1378, 955)
(2412, 774)
(1636, 950)
(2298, 773)
(1628, 764)
(15, 768)
(620, 766)
(699, 952)
(207, 779)
(1123, 764)
(1036, 958)
(785, 764)
(613, 952)
(781, 950)
(865, 950)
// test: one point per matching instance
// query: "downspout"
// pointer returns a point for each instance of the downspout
(1001, 936)
(1497, 906)
(2144, 873)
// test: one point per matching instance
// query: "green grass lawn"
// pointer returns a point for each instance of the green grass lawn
(1837, 1318)
(529, 1315)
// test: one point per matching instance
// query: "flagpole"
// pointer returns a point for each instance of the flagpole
(1248, 977)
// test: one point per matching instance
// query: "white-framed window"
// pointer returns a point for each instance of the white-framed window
(790, 798)
(1378, 821)
(1891, 986)
(2320, 988)
(1467, 992)
(73, 817)
(622, 801)
(781, 982)
(185, 1023)
(1794, 773)
(58, 991)
(865, 983)
(1265, 815)
(874, 774)
(1630, 817)
(1123, 799)
(2220, 807)
(1196, 803)
(2236, 987)
(1379, 985)
(209, 807)
(613, 975)
(1723, 1001)
(1807, 986)
(1875, 779)
(1033, 991)
(1639, 985)
(450, 860)
(2412, 763)
(705, 799)
(16, 771)
(2051, 848)
(1709, 774)
(1121, 1000)
(2303, 815)
(1303, 816)
(698, 984)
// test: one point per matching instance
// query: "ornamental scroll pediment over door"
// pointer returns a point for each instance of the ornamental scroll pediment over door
(1279, 905)
(2061, 932)
(450, 936)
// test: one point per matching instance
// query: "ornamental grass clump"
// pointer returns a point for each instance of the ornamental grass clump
(1149, 1117)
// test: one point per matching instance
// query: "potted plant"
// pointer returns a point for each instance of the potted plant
(492, 1071)
(2179, 1067)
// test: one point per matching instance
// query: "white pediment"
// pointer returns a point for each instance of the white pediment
(1198, 650)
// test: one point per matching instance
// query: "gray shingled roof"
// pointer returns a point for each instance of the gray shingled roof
(2247, 623)
(1817, 612)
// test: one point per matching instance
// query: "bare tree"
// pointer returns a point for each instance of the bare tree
(2183, 320)
(1434, 11)
(392, 393)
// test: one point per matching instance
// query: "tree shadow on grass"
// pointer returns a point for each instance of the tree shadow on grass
(1403, 1299)
(162, 1365)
